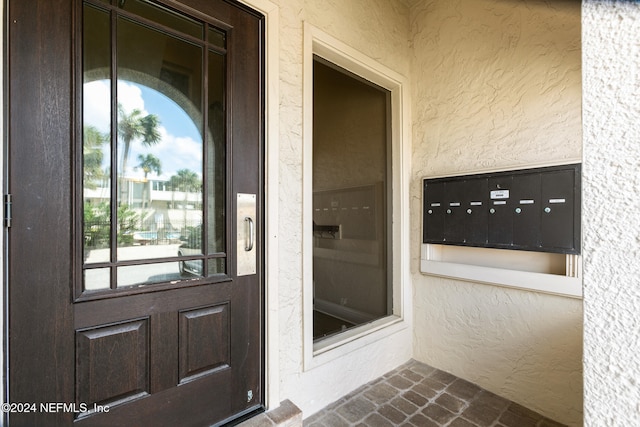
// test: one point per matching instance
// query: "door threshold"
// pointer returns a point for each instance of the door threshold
(285, 415)
(239, 418)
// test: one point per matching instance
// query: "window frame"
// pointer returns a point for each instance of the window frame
(81, 293)
(321, 45)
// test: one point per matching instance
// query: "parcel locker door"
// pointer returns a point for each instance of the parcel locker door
(433, 212)
(476, 213)
(558, 229)
(500, 211)
(526, 211)
(454, 218)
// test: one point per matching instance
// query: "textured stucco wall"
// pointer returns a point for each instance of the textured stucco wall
(378, 29)
(497, 84)
(611, 44)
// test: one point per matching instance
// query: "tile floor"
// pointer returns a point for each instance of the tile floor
(416, 394)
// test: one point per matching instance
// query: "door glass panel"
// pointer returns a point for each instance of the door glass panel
(149, 273)
(217, 266)
(216, 154)
(154, 182)
(146, 55)
(217, 37)
(97, 278)
(160, 194)
(158, 136)
(96, 147)
(163, 16)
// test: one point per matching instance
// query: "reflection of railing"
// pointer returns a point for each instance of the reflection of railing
(97, 234)
(156, 237)
(159, 194)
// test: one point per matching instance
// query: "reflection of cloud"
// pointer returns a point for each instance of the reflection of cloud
(97, 105)
(130, 97)
(97, 102)
(174, 152)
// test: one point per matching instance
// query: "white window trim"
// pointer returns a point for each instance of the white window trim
(317, 42)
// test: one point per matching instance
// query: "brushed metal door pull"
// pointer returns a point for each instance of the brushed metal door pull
(248, 247)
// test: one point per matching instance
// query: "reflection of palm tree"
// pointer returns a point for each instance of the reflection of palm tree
(92, 156)
(187, 181)
(148, 163)
(135, 126)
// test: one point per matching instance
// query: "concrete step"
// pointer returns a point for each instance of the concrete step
(285, 415)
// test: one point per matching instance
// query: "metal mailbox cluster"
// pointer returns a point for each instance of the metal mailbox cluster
(531, 209)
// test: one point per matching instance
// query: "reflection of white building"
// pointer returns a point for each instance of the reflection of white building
(158, 205)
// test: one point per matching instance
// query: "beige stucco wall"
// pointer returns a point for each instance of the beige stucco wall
(378, 29)
(611, 31)
(497, 84)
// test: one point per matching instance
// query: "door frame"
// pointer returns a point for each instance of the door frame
(271, 189)
(271, 208)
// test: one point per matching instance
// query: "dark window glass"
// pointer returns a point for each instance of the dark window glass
(163, 16)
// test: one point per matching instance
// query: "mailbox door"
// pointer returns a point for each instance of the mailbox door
(454, 218)
(433, 212)
(476, 212)
(526, 211)
(500, 208)
(558, 228)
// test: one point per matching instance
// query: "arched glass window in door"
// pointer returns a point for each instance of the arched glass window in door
(153, 146)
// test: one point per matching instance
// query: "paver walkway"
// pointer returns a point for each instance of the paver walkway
(416, 394)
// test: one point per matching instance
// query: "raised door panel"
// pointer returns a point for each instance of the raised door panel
(112, 363)
(204, 341)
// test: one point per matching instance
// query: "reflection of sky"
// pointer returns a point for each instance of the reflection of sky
(180, 146)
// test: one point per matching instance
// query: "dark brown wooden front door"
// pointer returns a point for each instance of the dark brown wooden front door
(135, 174)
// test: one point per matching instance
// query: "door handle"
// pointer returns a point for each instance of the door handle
(246, 229)
(252, 232)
